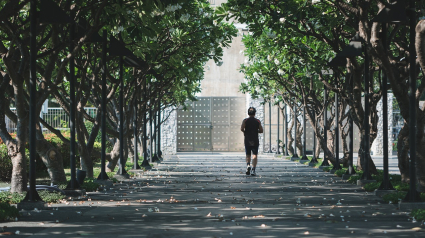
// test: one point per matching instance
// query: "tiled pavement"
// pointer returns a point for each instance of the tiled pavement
(209, 195)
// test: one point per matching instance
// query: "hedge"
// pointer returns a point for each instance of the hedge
(6, 163)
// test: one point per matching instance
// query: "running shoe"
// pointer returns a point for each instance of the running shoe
(253, 172)
(248, 170)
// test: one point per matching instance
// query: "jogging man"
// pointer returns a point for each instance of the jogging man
(250, 127)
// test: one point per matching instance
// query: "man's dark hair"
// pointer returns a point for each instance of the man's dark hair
(251, 111)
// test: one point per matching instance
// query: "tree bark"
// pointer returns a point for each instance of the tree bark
(290, 144)
(51, 157)
(403, 153)
(114, 156)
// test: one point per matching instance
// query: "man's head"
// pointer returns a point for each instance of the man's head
(251, 111)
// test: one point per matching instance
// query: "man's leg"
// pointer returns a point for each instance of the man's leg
(254, 160)
(248, 160)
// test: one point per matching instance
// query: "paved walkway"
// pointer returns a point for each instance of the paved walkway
(209, 195)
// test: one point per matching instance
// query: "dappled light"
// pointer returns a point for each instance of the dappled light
(210, 196)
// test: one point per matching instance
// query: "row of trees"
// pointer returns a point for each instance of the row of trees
(172, 40)
(291, 43)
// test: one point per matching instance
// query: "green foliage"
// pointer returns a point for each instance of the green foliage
(378, 177)
(90, 185)
(327, 169)
(394, 197)
(395, 178)
(46, 196)
(370, 187)
(7, 212)
(418, 214)
(5, 164)
(51, 197)
(400, 186)
(12, 198)
(340, 172)
(97, 144)
(62, 185)
(353, 179)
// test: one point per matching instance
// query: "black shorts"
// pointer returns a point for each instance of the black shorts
(254, 150)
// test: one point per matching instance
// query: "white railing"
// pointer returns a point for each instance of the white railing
(55, 117)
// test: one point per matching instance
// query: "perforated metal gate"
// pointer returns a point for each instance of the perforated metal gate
(211, 124)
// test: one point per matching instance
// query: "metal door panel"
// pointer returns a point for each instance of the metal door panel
(220, 111)
(184, 138)
(220, 138)
(185, 116)
(237, 111)
(202, 111)
(202, 138)
(211, 124)
(236, 139)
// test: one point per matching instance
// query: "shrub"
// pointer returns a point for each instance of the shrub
(51, 197)
(14, 198)
(395, 178)
(11, 198)
(327, 169)
(90, 185)
(340, 172)
(401, 186)
(7, 212)
(394, 197)
(372, 186)
(418, 214)
(353, 179)
(64, 150)
(379, 177)
(5, 164)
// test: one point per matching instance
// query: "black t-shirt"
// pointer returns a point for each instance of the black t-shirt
(252, 125)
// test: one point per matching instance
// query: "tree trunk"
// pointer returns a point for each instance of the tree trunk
(420, 118)
(51, 157)
(299, 139)
(19, 172)
(290, 139)
(420, 164)
(317, 146)
(345, 149)
(402, 153)
(114, 156)
(330, 142)
(361, 161)
(130, 146)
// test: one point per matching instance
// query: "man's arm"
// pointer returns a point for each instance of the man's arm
(260, 128)
(243, 126)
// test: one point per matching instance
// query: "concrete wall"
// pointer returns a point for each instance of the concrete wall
(219, 81)
(225, 80)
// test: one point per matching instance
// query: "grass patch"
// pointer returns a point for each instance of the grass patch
(7, 212)
(319, 162)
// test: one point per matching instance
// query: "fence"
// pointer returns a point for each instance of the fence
(55, 117)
